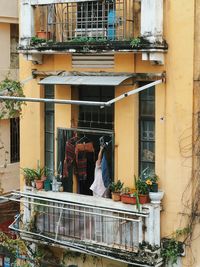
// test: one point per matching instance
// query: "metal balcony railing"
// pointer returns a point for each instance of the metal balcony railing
(91, 225)
(92, 20)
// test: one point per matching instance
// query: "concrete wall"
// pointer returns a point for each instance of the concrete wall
(9, 11)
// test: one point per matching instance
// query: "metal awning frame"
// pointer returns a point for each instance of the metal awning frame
(79, 102)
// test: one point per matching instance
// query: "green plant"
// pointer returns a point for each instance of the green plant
(171, 250)
(10, 108)
(136, 42)
(116, 187)
(37, 40)
(29, 175)
(141, 186)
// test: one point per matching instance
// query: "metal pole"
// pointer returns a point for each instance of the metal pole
(55, 101)
(132, 92)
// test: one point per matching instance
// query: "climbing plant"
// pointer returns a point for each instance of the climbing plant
(10, 108)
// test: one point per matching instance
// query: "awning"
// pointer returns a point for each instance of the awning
(86, 80)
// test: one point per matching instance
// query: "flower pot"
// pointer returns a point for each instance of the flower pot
(154, 187)
(128, 200)
(43, 35)
(143, 199)
(39, 184)
(156, 197)
(116, 196)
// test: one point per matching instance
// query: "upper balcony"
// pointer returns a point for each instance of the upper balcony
(55, 26)
(92, 225)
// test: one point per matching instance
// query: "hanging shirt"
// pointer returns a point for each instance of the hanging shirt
(98, 187)
(105, 171)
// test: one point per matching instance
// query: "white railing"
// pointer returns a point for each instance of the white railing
(89, 224)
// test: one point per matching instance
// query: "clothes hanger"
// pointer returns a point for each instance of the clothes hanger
(82, 138)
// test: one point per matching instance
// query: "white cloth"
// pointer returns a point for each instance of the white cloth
(98, 187)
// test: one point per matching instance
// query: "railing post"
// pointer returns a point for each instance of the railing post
(26, 22)
(152, 235)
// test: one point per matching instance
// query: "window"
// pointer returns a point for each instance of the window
(95, 117)
(49, 128)
(14, 140)
(99, 18)
(147, 129)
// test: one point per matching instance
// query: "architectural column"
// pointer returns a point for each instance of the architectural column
(26, 22)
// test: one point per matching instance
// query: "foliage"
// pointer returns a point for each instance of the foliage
(13, 245)
(135, 42)
(29, 175)
(37, 40)
(116, 186)
(141, 186)
(171, 250)
(139, 41)
(10, 108)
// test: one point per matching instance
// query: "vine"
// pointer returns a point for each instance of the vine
(10, 108)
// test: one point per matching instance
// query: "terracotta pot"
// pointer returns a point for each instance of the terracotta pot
(43, 35)
(143, 199)
(128, 200)
(39, 184)
(116, 196)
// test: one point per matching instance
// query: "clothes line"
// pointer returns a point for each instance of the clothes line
(79, 102)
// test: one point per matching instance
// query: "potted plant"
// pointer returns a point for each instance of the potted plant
(29, 176)
(116, 188)
(142, 190)
(128, 197)
(152, 182)
(39, 177)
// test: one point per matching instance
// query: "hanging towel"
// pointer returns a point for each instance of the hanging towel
(105, 171)
(98, 187)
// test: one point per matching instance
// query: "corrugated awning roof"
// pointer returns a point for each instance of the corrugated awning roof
(86, 80)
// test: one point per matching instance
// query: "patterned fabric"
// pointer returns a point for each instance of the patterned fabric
(69, 157)
(82, 166)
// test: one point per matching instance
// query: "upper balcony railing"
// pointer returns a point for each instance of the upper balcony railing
(89, 25)
(92, 20)
(93, 225)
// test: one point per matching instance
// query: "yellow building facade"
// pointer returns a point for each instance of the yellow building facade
(170, 151)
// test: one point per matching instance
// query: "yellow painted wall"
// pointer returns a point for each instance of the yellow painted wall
(174, 107)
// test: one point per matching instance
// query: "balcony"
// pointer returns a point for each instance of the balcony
(91, 225)
(88, 26)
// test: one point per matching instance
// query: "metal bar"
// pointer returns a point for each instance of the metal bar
(79, 205)
(73, 246)
(134, 91)
(55, 101)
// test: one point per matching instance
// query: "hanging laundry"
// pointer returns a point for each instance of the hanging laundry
(98, 187)
(105, 171)
(81, 151)
(69, 156)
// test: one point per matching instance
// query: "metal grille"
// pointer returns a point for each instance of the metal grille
(14, 140)
(96, 117)
(104, 20)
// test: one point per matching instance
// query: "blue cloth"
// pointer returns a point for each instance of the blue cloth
(105, 171)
